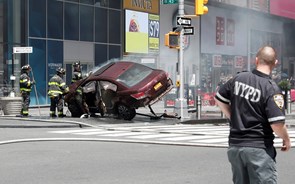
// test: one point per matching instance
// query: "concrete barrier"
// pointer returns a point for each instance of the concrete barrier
(11, 105)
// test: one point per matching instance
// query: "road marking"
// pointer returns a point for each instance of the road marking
(202, 135)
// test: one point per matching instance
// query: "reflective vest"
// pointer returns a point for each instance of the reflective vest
(77, 76)
(25, 83)
(57, 86)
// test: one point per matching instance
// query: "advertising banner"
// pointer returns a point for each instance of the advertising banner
(284, 8)
(136, 31)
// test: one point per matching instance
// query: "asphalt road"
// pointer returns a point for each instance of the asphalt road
(84, 162)
(50, 161)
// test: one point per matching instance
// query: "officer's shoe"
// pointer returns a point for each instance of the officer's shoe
(52, 115)
(61, 115)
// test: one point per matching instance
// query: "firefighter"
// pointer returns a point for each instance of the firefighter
(77, 74)
(25, 84)
(56, 89)
(79, 97)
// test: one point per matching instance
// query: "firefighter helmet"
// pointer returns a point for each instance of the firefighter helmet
(60, 70)
(76, 64)
(26, 67)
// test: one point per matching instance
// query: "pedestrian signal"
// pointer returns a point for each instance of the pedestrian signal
(172, 40)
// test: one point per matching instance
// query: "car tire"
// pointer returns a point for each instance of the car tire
(126, 113)
(74, 109)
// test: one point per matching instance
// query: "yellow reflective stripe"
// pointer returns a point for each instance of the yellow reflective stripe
(25, 89)
(54, 91)
(23, 81)
(56, 84)
(53, 83)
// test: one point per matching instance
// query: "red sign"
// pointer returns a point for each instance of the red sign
(217, 61)
(284, 8)
(220, 31)
(230, 32)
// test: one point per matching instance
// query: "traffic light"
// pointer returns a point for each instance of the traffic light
(200, 9)
(172, 39)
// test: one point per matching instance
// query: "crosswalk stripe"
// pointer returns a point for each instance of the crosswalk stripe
(126, 134)
(75, 131)
(186, 138)
(194, 134)
(150, 136)
(98, 132)
(216, 140)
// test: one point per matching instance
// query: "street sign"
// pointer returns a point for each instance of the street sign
(188, 30)
(17, 50)
(183, 21)
(169, 1)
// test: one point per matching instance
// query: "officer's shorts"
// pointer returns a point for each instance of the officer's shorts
(253, 165)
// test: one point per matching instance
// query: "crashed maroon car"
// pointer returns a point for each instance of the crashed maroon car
(119, 88)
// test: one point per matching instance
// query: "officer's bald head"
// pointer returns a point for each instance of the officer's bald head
(266, 56)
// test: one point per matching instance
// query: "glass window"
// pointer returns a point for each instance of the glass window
(86, 23)
(87, 2)
(55, 19)
(102, 3)
(115, 26)
(115, 4)
(37, 60)
(134, 75)
(100, 54)
(101, 25)
(37, 15)
(114, 51)
(71, 21)
(73, 1)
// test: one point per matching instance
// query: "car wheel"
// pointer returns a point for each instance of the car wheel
(126, 113)
(74, 109)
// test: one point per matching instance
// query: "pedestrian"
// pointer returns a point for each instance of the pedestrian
(25, 84)
(254, 105)
(57, 88)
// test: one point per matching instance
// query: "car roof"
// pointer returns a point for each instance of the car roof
(114, 69)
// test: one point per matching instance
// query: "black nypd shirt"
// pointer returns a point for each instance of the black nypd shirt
(256, 102)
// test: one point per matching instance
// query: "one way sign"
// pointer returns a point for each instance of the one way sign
(184, 21)
(188, 30)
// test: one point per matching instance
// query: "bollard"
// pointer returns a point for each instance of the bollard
(199, 103)
(288, 102)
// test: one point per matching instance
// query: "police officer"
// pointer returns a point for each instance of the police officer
(254, 104)
(25, 84)
(56, 89)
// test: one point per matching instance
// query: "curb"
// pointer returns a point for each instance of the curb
(49, 123)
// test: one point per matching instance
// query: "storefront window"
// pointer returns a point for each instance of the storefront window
(114, 51)
(37, 61)
(100, 54)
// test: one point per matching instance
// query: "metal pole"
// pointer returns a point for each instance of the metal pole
(288, 102)
(35, 89)
(181, 87)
